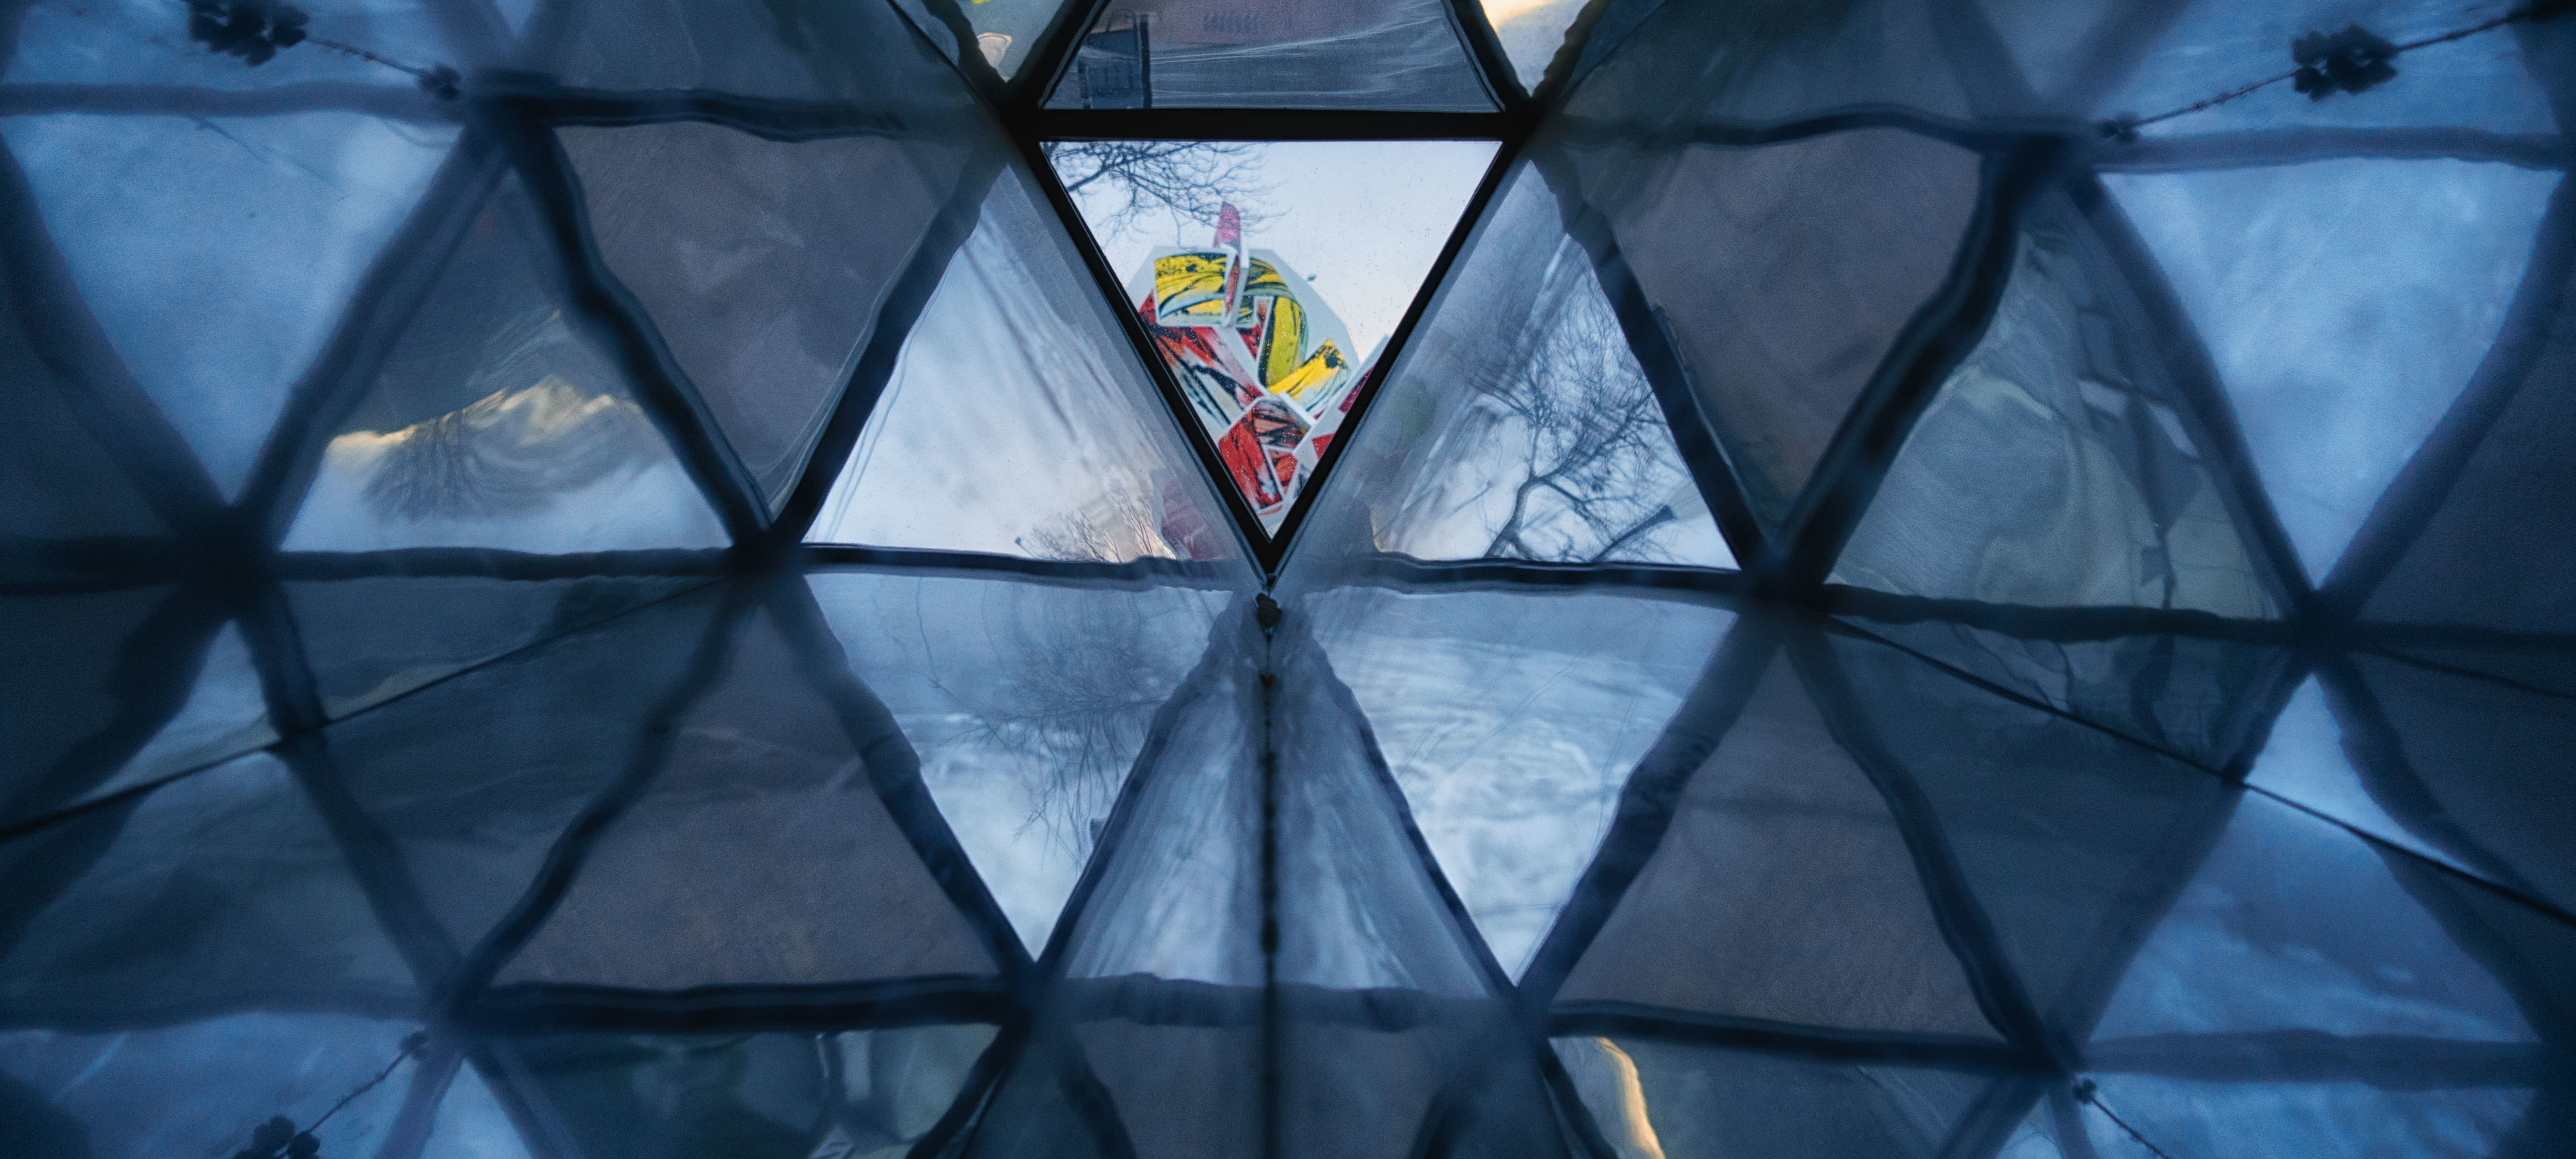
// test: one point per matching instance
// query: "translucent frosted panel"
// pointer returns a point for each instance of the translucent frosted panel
(747, 257)
(1532, 32)
(1692, 1102)
(123, 42)
(1271, 320)
(2497, 552)
(2292, 922)
(85, 679)
(472, 780)
(501, 419)
(1687, 64)
(1346, 54)
(370, 640)
(2489, 756)
(471, 1123)
(2052, 825)
(759, 1096)
(1783, 891)
(1229, 875)
(1784, 273)
(1027, 704)
(2345, 303)
(2480, 82)
(859, 53)
(198, 1088)
(222, 890)
(2307, 763)
(2053, 470)
(761, 853)
(2331, 1120)
(1511, 723)
(1018, 422)
(225, 715)
(1518, 424)
(57, 480)
(218, 254)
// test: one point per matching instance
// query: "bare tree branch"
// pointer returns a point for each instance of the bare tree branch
(1600, 470)
(1184, 179)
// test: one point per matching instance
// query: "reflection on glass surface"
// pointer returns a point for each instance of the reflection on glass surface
(1511, 722)
(2346, 303)
(1257, 337)
(218, 253)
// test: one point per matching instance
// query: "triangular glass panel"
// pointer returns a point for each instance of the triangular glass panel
(58, 482)
(866, 1094)
(2483, 753)
(1228, 891)
(2498, 550)
(1270, 344)
(499, 420)
(1355, 905)
(473, 779)
(1018, 422)
(472, 1124)
(2207, 47)
(852, 56)
(2054, 469)
(225, 715)
(159, 44)
(2292, 923)
(199, 1085)
(2404, 270)
(371, 639)
(1776, 843)
(1784, 274)
(1517, 424)
(1511, 722)
(1532, 32)
(221, 890)
(2051, 824)
(1027, 704)
(218, 253)
(1365, 54)
(745, 256)
(766, 851)
(109, 666)
(2307, 761)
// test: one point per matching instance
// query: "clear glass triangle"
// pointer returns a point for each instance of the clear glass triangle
(1269, 276)
(498, 420)
(1518, 423)
(218, 253)
(2345, 303)
(1018, 422)
(1376, 54)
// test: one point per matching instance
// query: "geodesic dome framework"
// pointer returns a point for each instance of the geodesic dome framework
(1885, 599)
